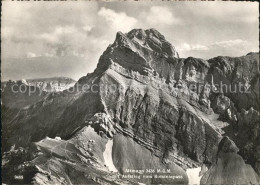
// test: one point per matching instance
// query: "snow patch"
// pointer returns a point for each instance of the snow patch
(108, 156)
(57, 138)
(193, 175)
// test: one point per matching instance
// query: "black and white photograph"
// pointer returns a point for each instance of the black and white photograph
(146, 92)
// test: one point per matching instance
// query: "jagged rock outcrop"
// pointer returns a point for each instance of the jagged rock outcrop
(239, 78)
(229, 167)
(149, 101)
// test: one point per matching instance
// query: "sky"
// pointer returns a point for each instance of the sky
(47, 39)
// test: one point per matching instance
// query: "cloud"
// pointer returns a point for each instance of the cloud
(82, 30)
(65, 40)
(87, 28)
(48, 55)
(45, 27)
(235, 12)
(231, 43)
(31, 55)
(160, 15)
(118, 21)
(188, 47)
(228, 44)
(59, 34)
(236, 47)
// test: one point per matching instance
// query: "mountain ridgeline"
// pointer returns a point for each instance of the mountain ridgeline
(160, 111)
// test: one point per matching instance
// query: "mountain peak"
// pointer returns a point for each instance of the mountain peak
(138, 50)
(149, 39)
(145, 33)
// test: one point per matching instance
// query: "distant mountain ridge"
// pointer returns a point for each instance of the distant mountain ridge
(22, 93)
(52, 84)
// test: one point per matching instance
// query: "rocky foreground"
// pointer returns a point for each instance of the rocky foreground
(159, 111)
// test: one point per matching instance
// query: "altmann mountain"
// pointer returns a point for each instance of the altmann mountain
(151, 118)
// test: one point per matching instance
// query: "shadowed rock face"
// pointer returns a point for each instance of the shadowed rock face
(229, 167)
(19, 94)
(128, 154)
(151, 103)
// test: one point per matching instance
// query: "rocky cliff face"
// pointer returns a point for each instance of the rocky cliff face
(229, 167)
(151, 103)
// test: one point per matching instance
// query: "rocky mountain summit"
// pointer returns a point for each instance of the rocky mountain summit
(158, 110)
